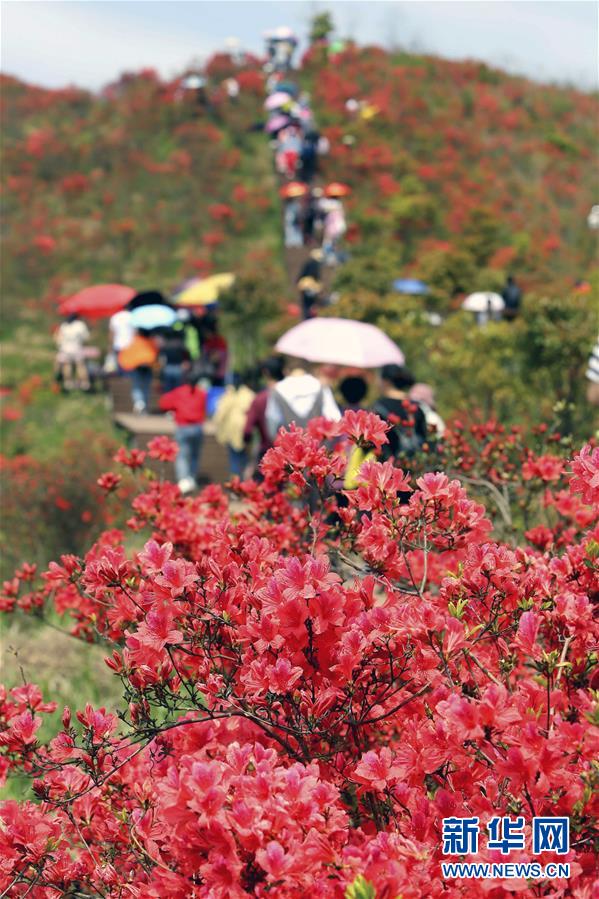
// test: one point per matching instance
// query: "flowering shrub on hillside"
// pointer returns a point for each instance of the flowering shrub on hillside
(312, 680)
(450, 142)
(54, 504)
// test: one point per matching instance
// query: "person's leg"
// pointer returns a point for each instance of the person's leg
(290, 228)
(306, 306)
(147, 386)
(331, 251)
(137, 391)
(66, 369)
(183, 460)
(195, 442)
(242, 461)
(297, 236)
(237, 461)
(82, 375)
(288, 233)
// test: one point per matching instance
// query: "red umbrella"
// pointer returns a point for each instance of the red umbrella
(336, 189)
(100, 301)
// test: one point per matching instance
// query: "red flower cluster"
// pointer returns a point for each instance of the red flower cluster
(312, 680)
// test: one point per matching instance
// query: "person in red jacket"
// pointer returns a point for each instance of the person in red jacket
(188, 403)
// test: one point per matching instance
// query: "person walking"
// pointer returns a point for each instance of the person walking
(284, 48)
(408, 432)
(394, 405)
(137, 359)
(310, 291)
(230, 420)
(71, 337)
(512, 297)
(188, 403)
(334, 228)
(272, 372)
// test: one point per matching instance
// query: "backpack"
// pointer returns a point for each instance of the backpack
(404, 443)
(357, 457)
(512, 296)
(140, 352)
(407, 442)
(286, 415)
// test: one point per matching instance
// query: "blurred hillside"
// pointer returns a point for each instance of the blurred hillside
(459, 170)
(459, 175)
(137, 185)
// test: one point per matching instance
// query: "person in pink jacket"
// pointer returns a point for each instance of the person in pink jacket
(334, 227)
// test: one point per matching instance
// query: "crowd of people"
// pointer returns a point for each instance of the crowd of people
(191, 355)
(137, 352)
(255, 405)
(247, 410)
(313, 214)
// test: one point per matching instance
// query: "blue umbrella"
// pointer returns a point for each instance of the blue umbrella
(410, 285)
(149, 317)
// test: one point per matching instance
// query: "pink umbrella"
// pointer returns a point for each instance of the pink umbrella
(279, 98)
(340, 341)
(100, 301)
(277, 123)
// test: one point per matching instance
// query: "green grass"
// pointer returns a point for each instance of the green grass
(67, 671)
(49, 416)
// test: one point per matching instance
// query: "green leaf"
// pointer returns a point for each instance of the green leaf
(360, 889)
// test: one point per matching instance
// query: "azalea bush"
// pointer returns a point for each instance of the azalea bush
(141, 184)
(312, 680)
(54, 505)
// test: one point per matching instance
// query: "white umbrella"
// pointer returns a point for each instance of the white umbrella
(282, 33)
(593, 218)
(193, 82)
(340, 341)
(483, 302)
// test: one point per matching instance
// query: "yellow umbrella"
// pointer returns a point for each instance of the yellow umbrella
(206, 291)
(369, 112)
